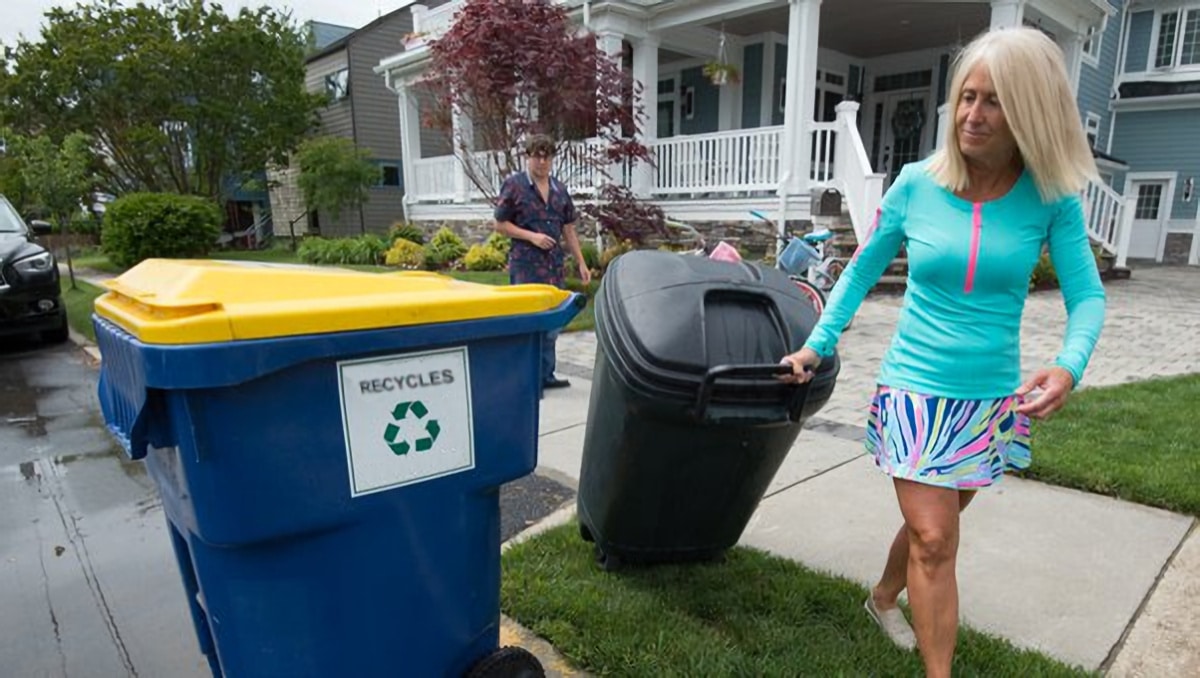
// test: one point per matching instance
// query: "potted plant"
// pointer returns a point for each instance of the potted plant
(721, 73)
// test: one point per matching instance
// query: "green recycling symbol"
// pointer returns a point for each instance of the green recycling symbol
(392, 437)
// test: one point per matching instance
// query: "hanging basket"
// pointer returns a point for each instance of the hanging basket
(721, 73)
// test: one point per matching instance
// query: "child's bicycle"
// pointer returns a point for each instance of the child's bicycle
(805, 261)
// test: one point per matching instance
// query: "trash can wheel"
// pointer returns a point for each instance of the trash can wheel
(607, 561)
(508, 662)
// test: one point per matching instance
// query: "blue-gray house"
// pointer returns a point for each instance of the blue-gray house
(870, 93)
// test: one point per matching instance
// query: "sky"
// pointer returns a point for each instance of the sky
(19, 17)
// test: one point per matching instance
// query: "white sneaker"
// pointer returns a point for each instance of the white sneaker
(894, 625)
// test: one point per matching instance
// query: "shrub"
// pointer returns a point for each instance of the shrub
(159, 225)
(624, 216)
(364, 250)
(498, 242)
(1044, 276)
(590, 255)
(444, 249)
(613, 252)
(405, 254)
(484, 258)
(407, 231)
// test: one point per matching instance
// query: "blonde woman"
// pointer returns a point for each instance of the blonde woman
(951, 415)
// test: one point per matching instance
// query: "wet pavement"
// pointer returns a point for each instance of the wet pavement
(87, 579)
(88, 583)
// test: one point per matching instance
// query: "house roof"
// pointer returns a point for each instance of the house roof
(324, 34)
(341, 43)
(1103, 158)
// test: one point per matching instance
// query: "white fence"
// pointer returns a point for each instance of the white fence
(738, 160)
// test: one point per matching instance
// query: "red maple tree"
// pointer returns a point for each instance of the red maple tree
(517, 67)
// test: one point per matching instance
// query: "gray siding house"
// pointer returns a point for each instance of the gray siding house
(1155, 126)
(360, 108)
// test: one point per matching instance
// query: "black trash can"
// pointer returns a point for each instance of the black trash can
(687, 423)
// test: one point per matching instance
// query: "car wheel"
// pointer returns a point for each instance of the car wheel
(59, 334)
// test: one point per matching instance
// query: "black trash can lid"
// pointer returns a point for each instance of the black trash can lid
(667, 319)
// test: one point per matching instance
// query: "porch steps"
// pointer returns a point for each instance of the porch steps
(844, 244)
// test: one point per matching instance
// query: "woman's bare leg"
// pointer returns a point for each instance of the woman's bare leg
(895, 572)
(931, 520)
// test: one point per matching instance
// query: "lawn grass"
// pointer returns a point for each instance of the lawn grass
(1136, 442)
(79, 305)
(753, 615)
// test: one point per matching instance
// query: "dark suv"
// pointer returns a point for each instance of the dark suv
(30, 298)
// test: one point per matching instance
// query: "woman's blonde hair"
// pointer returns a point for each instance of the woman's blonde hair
(1031, 82)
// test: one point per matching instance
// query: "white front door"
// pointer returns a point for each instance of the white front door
(904, 130)
(1145, 241)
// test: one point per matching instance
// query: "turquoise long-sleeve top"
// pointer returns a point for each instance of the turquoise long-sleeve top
(969, 266)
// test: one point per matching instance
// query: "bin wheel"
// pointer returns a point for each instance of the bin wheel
(607, 561)
(585, 533)
(508, 662)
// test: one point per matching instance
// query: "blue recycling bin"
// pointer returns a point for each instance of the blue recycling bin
(329, 448)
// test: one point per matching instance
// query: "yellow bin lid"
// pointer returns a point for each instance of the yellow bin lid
(174, 301)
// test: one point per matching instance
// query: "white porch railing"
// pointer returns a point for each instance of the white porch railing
(1109, 219)
(861, 185)
(824, 149)
(433, 178)
(732, 163)
(720, 162)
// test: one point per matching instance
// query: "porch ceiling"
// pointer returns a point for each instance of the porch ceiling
(872, 28)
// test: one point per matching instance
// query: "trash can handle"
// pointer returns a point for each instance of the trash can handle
(795, 407)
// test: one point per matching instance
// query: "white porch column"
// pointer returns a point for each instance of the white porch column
(1072, 47)
(410, 141)
(1007, 13)
(943, 123)
(609, 43)
(804, 20)
(460, 135)
(768, 104)
(645, 71)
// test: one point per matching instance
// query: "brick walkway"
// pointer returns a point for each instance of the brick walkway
(1152, 329)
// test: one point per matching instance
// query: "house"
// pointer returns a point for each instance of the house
(871, 82)
(1154, 125)
(359, 107)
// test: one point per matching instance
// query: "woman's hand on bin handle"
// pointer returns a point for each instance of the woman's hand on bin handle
(804, 365)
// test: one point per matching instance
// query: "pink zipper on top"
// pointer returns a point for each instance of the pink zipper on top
(976, 234)
(870, 234)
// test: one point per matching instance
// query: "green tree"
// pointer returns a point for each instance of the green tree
(178, 97)
(57, 178)
(334, 174)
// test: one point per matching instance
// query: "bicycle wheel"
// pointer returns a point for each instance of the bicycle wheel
(812, 292)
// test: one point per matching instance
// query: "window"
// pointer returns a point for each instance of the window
(390, 175)
(1092, 126)
(1148, 200)
(1091, 45)
(1177, 39)
(337, 85)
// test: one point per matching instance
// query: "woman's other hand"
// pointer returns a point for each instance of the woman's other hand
(804, 365)
(1055, 384)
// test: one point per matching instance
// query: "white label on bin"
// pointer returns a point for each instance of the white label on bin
(407, 418)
